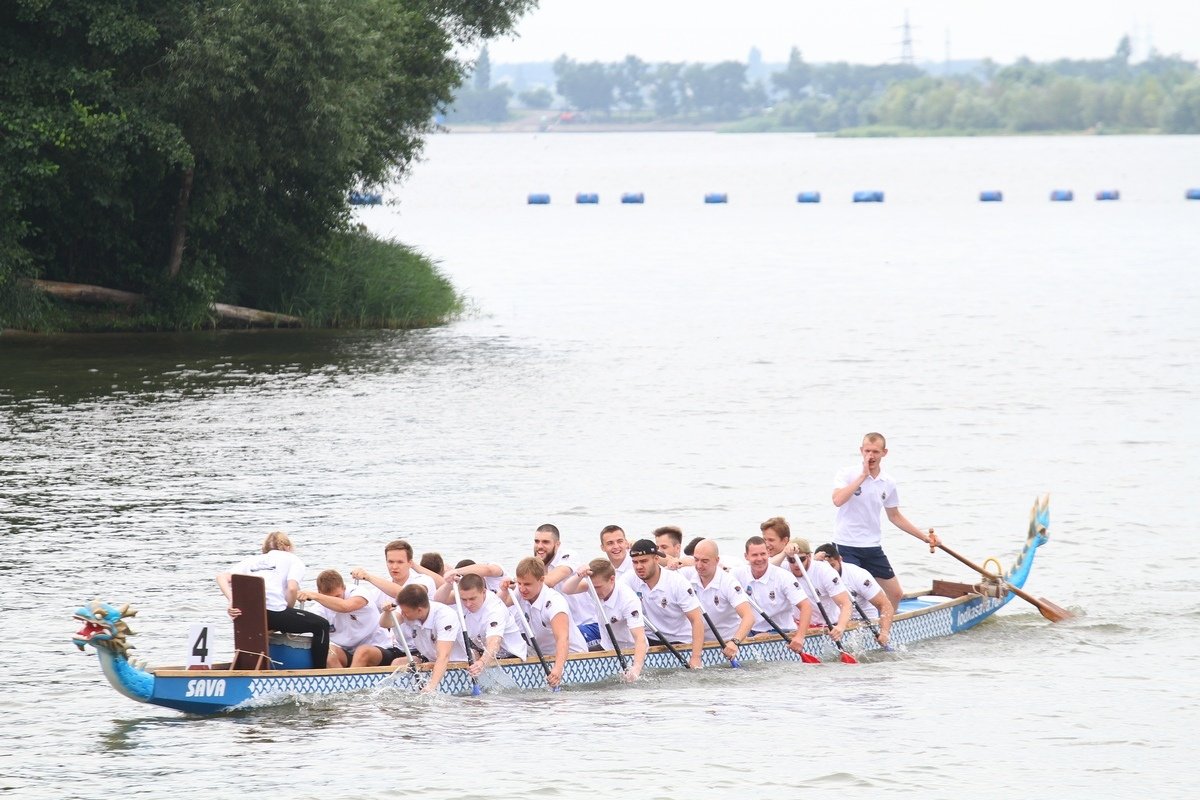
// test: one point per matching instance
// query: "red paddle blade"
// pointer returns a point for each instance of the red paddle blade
(848, 659)
(807, 659)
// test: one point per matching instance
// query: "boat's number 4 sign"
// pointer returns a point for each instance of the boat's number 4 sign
(198, 649)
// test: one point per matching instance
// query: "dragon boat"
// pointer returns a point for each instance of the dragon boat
(946, 608)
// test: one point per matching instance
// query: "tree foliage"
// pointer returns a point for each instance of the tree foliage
(240, 125)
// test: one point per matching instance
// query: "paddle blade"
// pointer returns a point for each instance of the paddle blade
(733, 662)
(1053, 612)
(809, 659)
(846, 658)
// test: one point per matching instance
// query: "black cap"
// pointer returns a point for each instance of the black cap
(830, 550)
(645, 547)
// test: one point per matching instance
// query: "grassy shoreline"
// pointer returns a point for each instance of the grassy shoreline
(368, 283)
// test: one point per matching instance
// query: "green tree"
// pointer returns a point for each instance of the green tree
(795, 79)
(213, 141)
(587, 87)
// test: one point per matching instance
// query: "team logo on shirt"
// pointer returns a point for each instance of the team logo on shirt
(771, 594)
(796, 584)
(547, 604)
(737, 588)
(614, 620)
(858, 491)
(493, 624)
(835, 579)
(664, 602)
(883, 495)
(716, 600)
(690, 591)
(446, 628)
(633, 613)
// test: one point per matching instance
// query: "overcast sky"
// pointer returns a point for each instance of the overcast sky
(861, 31)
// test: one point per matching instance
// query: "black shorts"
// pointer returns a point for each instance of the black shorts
(872, 559)
(390, 654)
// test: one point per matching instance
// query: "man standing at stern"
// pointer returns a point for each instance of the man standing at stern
(860, 493)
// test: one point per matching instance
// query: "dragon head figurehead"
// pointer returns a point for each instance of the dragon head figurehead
(104, 625)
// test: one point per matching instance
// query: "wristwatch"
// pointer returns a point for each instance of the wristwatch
(735, 641)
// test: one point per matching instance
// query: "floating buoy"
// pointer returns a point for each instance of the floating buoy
(1108, 194)
(808, 197)
(1062, 196)
(588, 198)
(868, 197)
(992, 196)
(365, 198)
(716, 197)
(539, 199)
(1192, 194)
(633, 197)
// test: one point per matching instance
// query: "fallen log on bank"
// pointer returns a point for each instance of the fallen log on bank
(99, 295)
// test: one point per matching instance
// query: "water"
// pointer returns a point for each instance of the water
(704, 366)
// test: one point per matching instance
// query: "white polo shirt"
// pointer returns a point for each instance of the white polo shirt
(864, 586)
(827, 583)
(440, 626)
(720, 600)
(350, 629)
(623, 611)
(549, 604)
(276, 568)
(857, 522)
(776, 592)
(626, 566)
(580, 604)
(493, 619)
(667, 604)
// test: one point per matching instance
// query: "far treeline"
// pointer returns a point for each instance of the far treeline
(199, 152)
(1159, 94)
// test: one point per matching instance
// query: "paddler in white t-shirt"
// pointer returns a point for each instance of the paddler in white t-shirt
(353, 618)
(669, 602)
(721, 596)
(863, 586)
(433, 629)
(831, 593)
(560, 565)
(775, 591)
(547, 612)
(399, 557)
(490, 625)
(622, 611)
(860, 494)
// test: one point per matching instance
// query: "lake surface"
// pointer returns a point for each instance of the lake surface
(672, 363)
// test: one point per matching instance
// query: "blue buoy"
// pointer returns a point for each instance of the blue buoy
(1192, 194)
(1108, 194)
(808, 197)
(539, 199)
(633, 197)
(1062, 196)
(868, 197)
(716, 197)
(991, 196)
(588, 198)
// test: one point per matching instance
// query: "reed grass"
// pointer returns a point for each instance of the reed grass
(371, 283)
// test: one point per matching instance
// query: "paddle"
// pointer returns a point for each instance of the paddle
(398, 629)
(845, 657)
(530, 640)
(805, 657)
(733, 662)
(462, 621)
(1050, 611)
(604, 616)
(663, 639)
